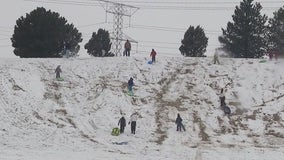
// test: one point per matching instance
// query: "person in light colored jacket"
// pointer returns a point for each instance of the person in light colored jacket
(132, 122)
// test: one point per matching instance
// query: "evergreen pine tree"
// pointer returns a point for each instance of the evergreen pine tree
(276, 28)
(246, 36)
(42, 34)
(99, 45)
(194, 42)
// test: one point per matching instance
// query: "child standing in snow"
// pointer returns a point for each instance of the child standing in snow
(153, 55)
(58, 71)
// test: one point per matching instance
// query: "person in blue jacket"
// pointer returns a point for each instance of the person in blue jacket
(130, 85)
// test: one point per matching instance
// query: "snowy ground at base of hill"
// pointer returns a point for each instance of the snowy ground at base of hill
(42, 118)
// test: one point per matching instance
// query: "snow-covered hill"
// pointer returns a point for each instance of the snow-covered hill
(41, 118)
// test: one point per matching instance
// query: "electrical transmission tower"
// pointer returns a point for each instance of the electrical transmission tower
(118, 10)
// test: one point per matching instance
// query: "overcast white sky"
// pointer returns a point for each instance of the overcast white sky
(158, 24)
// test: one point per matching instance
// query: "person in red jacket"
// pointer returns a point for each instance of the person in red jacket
(153, 55)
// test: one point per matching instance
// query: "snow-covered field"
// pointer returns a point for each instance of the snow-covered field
(44, 119)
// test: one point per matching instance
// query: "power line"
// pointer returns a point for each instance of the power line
(159, 42)
(2, 39)
(161, 7)
(89, 25)
(191, 2)
(4, 35)
(148, 46)
(66, 2)
(156, 27)
(179, 8)
(8, 45)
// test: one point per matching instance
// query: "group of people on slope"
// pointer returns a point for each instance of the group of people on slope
(134, 117)
(132, 123)
(127, 49)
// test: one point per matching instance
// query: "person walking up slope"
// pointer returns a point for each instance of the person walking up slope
(179, 123)
(130, 85)
(132, 122)
(122, 124)
(153, 55)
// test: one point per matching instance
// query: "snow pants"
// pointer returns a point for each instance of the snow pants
(153, 59)
(179, 127)
(57, 74)
(127, 52)
(122, 128)
(133, 127)
(222, 101)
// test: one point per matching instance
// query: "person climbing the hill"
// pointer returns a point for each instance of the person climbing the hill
(122, 124)
(58, 71)
(222, 98)
(132, 122)
(130, 85)
(127, 47)
(153, 55)
(179, 123)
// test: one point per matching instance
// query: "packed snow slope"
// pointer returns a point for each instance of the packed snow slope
(42, 118)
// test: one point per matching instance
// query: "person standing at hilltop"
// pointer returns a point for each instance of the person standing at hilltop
(153, 55)
(127, 47)
(58, 71)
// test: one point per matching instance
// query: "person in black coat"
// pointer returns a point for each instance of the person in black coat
(58, 71)
(179, 122)
(122, 123)
(222, 98)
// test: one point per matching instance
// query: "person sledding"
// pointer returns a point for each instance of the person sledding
(130, 86)
(223, 105)
(153, 55)
(58, 71)
(122, 124)
(179, 123)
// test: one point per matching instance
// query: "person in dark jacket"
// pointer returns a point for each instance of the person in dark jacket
(122, 124)
(222, 98)
(178, 122)
(153, 55)
(127, 47)
(130, 85)
(58, 71)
